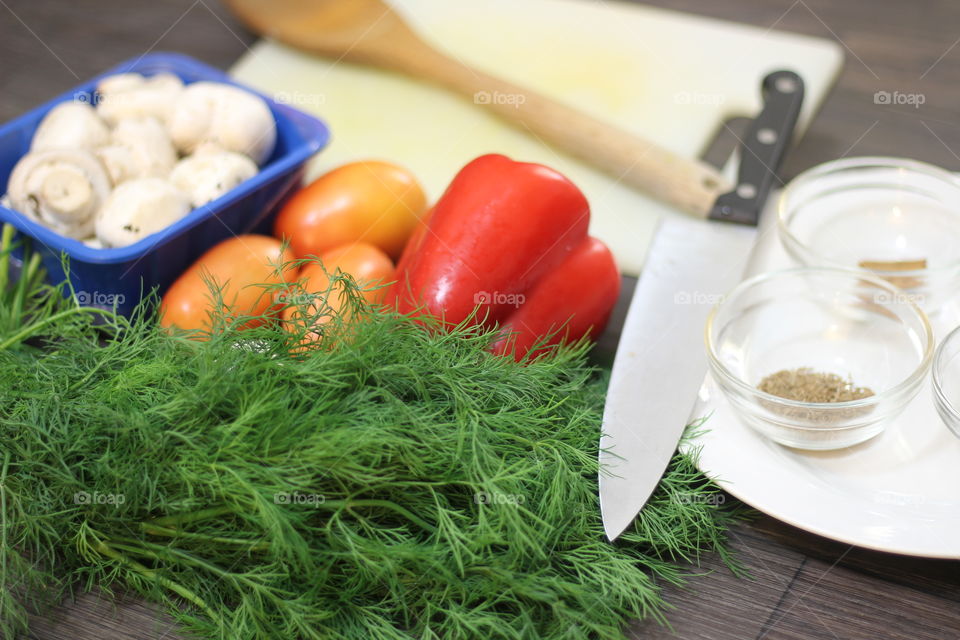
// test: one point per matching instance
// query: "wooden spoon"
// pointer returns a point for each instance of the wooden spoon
(371, 32)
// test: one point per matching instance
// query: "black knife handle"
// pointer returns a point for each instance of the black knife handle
(762, 150)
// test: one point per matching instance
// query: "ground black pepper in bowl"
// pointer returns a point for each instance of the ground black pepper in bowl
(806, 385)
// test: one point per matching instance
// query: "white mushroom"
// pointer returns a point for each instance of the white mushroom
(60, 188)
(70, 125)
(206, 148)
(208, 175)
(120, 82)
(227, 116)
(131, 95)
(139, 148)
(138, 208)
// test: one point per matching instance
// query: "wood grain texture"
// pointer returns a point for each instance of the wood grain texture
(95, 615)
(801, 586)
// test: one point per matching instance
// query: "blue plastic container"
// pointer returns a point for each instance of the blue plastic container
(118, 277)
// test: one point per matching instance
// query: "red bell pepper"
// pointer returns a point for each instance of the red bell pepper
(507, 245)
(572, 301)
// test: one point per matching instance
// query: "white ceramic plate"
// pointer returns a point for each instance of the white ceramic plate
(899, 492)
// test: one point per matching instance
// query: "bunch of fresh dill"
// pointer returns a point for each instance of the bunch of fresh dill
(396, 481)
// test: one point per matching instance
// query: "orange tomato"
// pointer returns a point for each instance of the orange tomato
(369, 266)
(371, 201)
(237, 265)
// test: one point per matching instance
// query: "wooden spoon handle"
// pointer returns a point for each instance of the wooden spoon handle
(684, 183)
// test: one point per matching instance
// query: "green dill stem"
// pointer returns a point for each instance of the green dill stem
(106, 550)
(6, 242)
(27, 331)
(33, 266)
(28, 394)
(216, 512)
(161, 553)
(386, 504)
(86, 378)
(155, 530)
(26, 281)
(3, 514)
(193, 516)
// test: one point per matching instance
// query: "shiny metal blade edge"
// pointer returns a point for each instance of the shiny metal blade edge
(661, 360)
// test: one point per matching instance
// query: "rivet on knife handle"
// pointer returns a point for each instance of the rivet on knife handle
(762, 149)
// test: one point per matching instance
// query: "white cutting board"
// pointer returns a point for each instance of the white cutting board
(672, 77)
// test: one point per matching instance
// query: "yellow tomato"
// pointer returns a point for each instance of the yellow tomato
(374, 202)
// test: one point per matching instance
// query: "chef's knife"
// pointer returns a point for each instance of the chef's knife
(661, 363)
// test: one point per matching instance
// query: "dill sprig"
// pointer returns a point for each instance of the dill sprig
(393, 481)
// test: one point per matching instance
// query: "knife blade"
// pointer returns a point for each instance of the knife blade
(660, 362)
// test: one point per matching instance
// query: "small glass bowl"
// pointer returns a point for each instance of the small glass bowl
(946, 381)
(898, 218)
(835, 321)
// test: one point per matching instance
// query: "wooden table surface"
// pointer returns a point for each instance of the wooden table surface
(802, 586)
